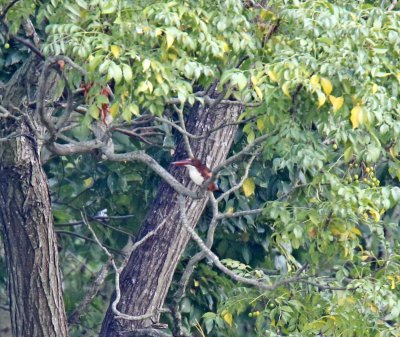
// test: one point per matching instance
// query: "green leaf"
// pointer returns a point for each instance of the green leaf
(127, 71)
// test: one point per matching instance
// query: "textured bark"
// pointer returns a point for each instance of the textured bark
(146, 279)
(37, 307)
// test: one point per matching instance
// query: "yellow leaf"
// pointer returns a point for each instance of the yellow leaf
(375, 88)
(398, 76)
(146, 64)
(356, 231)
(326, 85)
(258, 92)
(114, 110)
(375, 214)
(321, 98)
(272, 75)
(337, 102)
(373, 307)
(88, 182)
(225, 47)
(159, 78)
(254, 81)
(158, 31)
(285, 89)
(392, 283)
(314, 80)
(228, 318)
(170, 40)
(196, 283)
(356, 116)
(230, 210)
(116, 51)
(260, 124)
(248, 187)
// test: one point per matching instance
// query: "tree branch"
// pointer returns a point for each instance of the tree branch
(118, 314)
(214, 258)
(183, 127)
(144, 158)
(8, 7)
(90, 294)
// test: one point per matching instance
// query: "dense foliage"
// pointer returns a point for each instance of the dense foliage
(321, 78)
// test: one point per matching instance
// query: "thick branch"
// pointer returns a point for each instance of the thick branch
(144, 158)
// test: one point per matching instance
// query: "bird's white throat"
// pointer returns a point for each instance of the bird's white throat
(195, 175)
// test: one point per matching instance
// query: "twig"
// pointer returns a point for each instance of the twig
(75, 147)
(7, 114)
(100, 218)
(8, 7)
(132, 133)
(240, 213)
(242, 180)
(144, 158)
(214, 258)
(90, 294)
(80, 236)
(183, 127)
(28, 44)
(205, 135)
(246, 151)
(325, 286)
(392, 5)
(118, 314)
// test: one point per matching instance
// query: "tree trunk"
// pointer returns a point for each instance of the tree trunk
(37, 306)
(146, 278)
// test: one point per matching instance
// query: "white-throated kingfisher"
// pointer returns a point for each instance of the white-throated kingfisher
(198, 172)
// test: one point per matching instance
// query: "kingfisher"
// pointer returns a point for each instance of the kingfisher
(198, 172)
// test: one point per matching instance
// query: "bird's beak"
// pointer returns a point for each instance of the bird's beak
(182, 162)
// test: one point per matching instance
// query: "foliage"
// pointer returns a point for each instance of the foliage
(326, 82)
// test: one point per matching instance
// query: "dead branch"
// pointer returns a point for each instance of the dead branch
(118, 314)
(183, 127)
(144, 158)
(90, 294)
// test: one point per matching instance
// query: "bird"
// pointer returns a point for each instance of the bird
(198, 172)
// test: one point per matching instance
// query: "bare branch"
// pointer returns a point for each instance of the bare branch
(100, 218)
(90, 294)
(214, 258)
(118, 314)
(40, 97)
(76, 147)
(392, 5)
(325, 286)
(242, 180)
(28, 44)
(85, 238)
(134, 134)
(205, 135)
(246, 151)
(4, 113)
(145, 333)
(256, 211)
(144, 158)
(183, 127)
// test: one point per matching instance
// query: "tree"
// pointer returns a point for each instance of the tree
(293, 106)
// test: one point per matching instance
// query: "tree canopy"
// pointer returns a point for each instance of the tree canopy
(308, 202)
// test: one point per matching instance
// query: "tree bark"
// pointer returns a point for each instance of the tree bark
(37, 306)
(147, 277)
